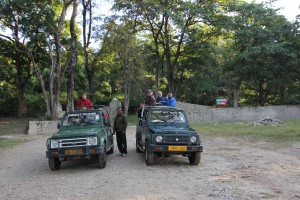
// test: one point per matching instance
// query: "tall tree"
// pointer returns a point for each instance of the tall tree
(71, 73)
(46, 27)
(11, 18)
(169, 22)
(128, 57)
(259, 51)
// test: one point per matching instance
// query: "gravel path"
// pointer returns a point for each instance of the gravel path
(230, 168)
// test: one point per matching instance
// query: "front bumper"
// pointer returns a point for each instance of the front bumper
(175, 148)
(78, 152)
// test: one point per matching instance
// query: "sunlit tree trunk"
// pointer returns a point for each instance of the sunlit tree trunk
(70, 103)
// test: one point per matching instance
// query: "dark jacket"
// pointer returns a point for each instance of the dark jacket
(120, 123)
(150, 100)
(160, 99)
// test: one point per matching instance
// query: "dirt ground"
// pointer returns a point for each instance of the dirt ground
(231, 168)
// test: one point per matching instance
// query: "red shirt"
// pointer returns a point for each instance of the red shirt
(83, 103)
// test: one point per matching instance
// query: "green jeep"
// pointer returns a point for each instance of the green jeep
(82, 134)
(163, 131)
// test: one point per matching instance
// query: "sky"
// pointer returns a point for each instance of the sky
(290, 8)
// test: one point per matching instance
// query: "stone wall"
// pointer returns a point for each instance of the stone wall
(196, 113)
(42, 127)
(209, 114)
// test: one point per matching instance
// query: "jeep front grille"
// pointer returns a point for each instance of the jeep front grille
(176, 139)
(75, 142)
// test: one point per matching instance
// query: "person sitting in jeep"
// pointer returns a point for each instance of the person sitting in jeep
(84, 103)
(150, 99)
(171, 101)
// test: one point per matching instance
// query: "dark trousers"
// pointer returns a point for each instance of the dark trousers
(122, 142)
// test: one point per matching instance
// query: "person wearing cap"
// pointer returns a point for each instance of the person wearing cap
(171, 100)
(84, 103)
(150, 99)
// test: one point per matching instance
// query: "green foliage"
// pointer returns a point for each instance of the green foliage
(261, 56)
(228, 49)
(132, 119)
(101, 99)
(36, 106)
(8, 106)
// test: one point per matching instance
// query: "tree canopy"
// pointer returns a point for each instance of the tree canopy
(53, 51)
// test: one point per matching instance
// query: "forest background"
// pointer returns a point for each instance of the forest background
(51, 51)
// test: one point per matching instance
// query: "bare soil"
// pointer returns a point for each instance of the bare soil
(231, 168)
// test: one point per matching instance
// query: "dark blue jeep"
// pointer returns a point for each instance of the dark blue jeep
(163, 131)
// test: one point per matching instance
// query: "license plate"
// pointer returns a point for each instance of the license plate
(177, 148)
(73, 151)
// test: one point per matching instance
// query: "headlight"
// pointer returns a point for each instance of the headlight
(193, 139)
(158, 138)
(54, 144)
(92, 140)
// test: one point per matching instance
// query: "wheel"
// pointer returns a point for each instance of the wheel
(54, 163)
(138, 150)
(101, 160)
(195, 158)
(111, 151)
(149, 157)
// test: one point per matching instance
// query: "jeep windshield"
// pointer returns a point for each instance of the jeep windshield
(169, 116)
(82, 119)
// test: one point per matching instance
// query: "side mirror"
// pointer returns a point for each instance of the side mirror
(58, 126)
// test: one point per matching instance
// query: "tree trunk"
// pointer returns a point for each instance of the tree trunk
(42, 83)
(22, 104)
(87, 9)
(127, 87)
(261, 92)
(236, 98)
(55, 95)
(168, 55)
(70, 82)
(229, 96)
(171, 65)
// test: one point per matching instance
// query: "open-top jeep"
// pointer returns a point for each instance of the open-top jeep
(82, 134)
(163, 131)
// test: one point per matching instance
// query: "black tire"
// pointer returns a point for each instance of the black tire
(195, 158)
(138, 150)
(111, 150)
(149, 157)
(101, 160)
(54, 164)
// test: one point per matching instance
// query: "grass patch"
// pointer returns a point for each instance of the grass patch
(132, 119)
(9, 142)
(285, 134)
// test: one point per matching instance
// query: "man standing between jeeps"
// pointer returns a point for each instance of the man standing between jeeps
(120, 126)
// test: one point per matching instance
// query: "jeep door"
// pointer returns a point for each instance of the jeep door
(144, 127)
